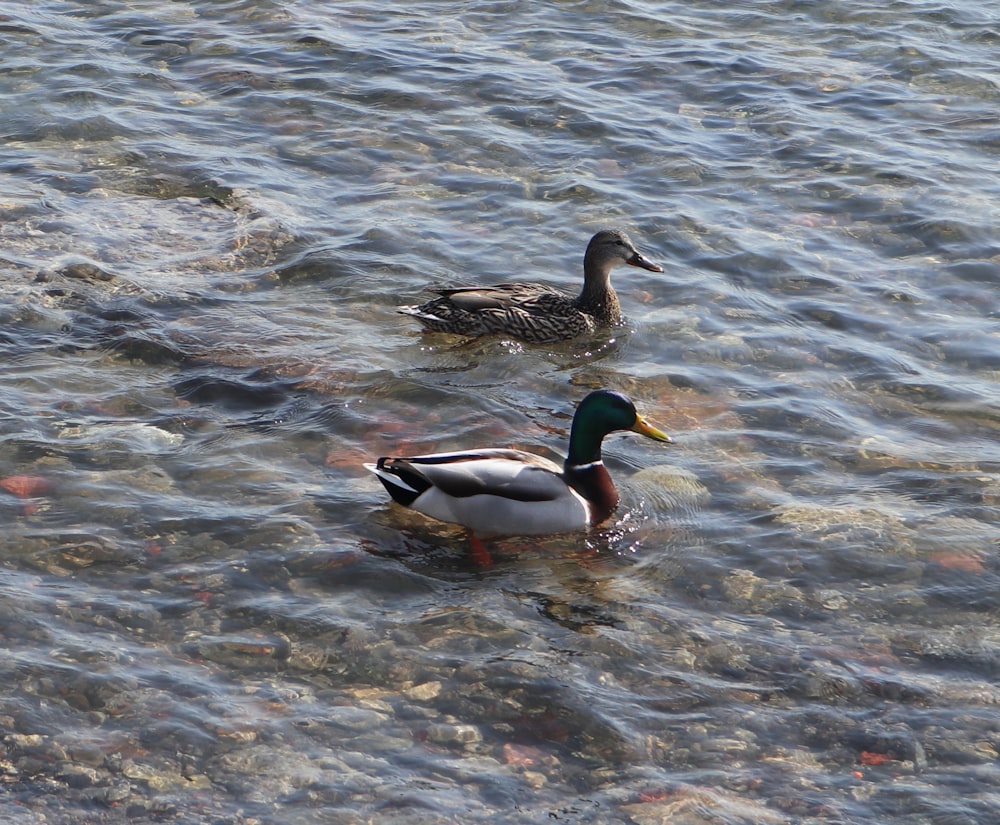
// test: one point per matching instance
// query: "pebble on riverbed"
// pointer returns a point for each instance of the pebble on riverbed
(867, 526)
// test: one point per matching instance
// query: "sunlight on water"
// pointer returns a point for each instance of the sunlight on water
(210, 213)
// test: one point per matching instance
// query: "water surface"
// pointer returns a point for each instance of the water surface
(209, 212)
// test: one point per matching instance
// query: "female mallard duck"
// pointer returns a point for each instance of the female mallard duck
(514, 493)
(535, 312)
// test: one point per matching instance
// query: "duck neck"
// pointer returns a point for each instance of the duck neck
(593, 483)
(584, 471)
(597, 297)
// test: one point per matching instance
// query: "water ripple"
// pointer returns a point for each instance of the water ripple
(209, 214)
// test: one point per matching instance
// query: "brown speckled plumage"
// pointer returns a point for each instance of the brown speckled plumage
(534, 312)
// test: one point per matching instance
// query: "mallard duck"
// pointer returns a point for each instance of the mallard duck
(503, 492)
(534, 312)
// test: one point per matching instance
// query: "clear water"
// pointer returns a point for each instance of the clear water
(210, 613)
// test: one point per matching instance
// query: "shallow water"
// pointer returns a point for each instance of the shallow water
(209, 212)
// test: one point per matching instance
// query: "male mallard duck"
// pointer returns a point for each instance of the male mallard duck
(533, 312)
(514, 493)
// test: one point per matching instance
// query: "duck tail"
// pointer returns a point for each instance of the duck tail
(403, 483)
(419, 312)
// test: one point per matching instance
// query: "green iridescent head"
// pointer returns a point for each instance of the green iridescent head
(600, 413)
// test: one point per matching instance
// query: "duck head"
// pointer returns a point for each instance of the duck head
(611, 247)
(600, 413)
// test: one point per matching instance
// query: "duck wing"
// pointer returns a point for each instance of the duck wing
(498, 296)
(532, 312)
(491, 492)
(509, 474)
